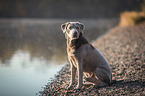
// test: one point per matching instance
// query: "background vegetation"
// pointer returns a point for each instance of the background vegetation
(67, 8)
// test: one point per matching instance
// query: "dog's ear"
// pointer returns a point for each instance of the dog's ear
(63, 27)
(82, 27)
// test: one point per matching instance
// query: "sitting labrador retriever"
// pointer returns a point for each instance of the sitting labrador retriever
(84, 58)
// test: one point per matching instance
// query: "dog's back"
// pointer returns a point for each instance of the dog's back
(91, 58)
(93, 61)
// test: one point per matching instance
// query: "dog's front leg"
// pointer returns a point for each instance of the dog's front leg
(80, 75)
(73, 74)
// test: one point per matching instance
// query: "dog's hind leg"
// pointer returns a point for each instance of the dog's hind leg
(93, 79)
(103, 75)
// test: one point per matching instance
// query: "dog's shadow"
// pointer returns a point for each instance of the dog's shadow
(126, 84)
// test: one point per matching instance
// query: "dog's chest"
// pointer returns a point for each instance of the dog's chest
(75, 49)
(71, 51)
(73, 61)
(72, 56)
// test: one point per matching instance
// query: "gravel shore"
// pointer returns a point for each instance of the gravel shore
(124, 48)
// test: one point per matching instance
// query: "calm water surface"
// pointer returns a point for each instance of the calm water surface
(32, 51)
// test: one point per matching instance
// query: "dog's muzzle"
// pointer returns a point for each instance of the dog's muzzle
(74, 34)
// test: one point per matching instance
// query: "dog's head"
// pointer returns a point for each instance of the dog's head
(72, 29)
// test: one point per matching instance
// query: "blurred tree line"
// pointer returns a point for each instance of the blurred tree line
(66, 8)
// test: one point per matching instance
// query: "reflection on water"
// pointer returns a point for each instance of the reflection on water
(32, 51)
(25, 76)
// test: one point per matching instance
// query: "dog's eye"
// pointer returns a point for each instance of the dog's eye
(70, 27)
(77, 28)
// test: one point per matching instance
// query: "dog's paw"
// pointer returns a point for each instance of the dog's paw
(78, 88)
(70, 87)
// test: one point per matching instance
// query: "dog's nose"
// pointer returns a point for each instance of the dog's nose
(75, 34)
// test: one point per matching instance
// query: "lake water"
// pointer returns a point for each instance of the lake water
(33, 50)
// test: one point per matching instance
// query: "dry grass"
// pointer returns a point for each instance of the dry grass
(131, 18)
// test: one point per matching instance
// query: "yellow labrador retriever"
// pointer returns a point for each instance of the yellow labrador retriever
(84, 58)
